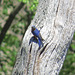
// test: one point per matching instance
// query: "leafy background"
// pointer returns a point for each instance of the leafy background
(12, 41)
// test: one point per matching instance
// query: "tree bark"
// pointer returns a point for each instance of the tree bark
(56, 21)
(9, 21)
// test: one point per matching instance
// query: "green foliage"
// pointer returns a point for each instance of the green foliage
(24, 1)
(74, 37)
(7, 5)
(10, 40)
(6, 59)
(16, 28)
(69, 65)
(73, 46)
(8, 53)
(31, 3)
(5, 11)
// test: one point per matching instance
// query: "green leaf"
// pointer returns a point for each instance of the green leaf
(5, 11)
(73, 46)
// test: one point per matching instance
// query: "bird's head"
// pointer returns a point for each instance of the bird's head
(33, 28)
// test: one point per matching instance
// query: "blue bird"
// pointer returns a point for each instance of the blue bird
(37, 37)
(36, 40)
(36, 33)
(40, 43)
(33, 39)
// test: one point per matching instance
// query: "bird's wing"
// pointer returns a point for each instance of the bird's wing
(33, 39)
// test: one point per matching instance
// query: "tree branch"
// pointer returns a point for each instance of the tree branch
(9, 21)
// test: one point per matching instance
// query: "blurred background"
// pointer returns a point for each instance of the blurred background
(15, 17)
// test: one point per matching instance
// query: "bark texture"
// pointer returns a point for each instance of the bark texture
(56, 21)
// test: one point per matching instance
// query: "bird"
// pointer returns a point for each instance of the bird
(36, 32)
(40, 43)
(36, 38)
(33, 39)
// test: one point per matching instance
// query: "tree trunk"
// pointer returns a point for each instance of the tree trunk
(56, 21)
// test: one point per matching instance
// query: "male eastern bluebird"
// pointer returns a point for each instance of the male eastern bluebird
(37, 37)
(40, 43)
(36, 33)
(33, 39)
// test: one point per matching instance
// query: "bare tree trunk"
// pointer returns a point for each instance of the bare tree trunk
(56, 21)
(9, 21)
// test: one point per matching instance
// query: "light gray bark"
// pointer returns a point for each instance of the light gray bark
(56, 21)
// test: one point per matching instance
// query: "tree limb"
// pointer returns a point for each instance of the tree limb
(9, 21)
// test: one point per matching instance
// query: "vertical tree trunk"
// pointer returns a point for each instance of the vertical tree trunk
(56, 21)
